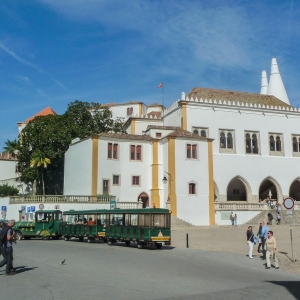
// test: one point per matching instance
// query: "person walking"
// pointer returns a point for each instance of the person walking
(270, 218)
(7, 248)
(250, 240)
(2, 224)
(264, 236)
(271, 250)
(259, 239)
(278, 218)
(235, 220)
(232, 218)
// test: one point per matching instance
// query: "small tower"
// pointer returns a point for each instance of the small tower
(276, 86)
(264, 83)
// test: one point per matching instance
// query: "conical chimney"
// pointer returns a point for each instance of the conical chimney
(264, 83)
(276, 86)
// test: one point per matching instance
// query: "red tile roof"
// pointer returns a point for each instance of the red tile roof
(45, 112)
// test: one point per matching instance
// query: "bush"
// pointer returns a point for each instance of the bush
(8, 190)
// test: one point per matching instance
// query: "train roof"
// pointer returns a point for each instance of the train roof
(118, 211)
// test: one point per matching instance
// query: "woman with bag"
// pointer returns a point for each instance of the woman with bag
(250, 240)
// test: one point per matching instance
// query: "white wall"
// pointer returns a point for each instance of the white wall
(192, 208)
(142, 124)
(126, 168)
(121, 110)
(7, 169)
(78, 169)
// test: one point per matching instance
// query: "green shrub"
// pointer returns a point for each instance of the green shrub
(8, 190)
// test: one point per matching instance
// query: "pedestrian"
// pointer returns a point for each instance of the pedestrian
(264, 236)
(270, 218)
(235, 220)
(7, 248)
(232, 218)
(250, 240)
(2, 224)
(259, 239)
(278, 218)
(277, 207)
(271, 250)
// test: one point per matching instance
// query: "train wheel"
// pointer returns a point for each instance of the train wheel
(158, 245)
(140, 245)
(104, 240)
(67, 238)
(46, 238)
(89, 240)
(110, 242)
(127, 243)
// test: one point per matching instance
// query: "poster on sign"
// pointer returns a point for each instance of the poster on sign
(33, 209)
(29, 209)
(23, 208)
(3, 208)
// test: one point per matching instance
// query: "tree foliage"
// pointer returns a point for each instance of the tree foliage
(8, 190)
(50, 136)
(11, 147)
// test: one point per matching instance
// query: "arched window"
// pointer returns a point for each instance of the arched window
(229, 141)
(254, 144)
(222, 140)
(278, 143)
(272, 143)
(203, 133)
(248, 143)
(196, 131)
(295, 145)
(192, 188)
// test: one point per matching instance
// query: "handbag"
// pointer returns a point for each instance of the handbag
(255, 239)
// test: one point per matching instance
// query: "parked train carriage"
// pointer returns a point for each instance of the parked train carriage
(47, 224)
(84, 224)
(143, 226)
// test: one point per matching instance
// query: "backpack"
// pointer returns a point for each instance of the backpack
(3, 234)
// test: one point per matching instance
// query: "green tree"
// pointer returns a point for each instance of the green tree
(39, 160)
(8, 190)
(11, 147)
(52, 135)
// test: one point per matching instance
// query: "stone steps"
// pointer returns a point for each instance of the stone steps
(284, 217)
(176, 222)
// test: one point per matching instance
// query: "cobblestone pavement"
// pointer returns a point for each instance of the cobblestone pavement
(233, 239)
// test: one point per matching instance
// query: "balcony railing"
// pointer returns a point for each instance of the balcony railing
(61, 199)
(241, 206)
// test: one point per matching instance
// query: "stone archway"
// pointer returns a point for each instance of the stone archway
(145, 199)
(238, 189)
(267, 185)
(294, 191)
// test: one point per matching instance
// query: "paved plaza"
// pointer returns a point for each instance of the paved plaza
(233, 240)
(99, 271)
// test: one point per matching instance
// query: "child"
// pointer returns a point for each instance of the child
(278, 217)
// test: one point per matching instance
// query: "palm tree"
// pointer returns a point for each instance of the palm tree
(40, 160)
(11, 147)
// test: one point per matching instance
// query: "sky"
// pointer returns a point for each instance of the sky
(54, 52)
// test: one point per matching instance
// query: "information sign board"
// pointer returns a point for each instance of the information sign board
(113, 204)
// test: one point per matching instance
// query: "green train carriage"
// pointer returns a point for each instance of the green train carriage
(142, 226)
(46, 224)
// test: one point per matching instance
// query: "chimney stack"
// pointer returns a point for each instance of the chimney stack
(276, 86)
(264, 83)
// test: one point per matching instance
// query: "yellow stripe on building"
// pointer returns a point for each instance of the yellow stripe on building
(132, 126)
(155, 187)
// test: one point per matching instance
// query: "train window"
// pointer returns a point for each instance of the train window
(116, 219)
(168, 220)
(144, 220)
(134, 220)
(57, 216)
(158, 220)
(43, 217)
(127, 220)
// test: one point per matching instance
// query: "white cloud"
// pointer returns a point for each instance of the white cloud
(29, 64)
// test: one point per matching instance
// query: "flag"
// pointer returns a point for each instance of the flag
(160, 85)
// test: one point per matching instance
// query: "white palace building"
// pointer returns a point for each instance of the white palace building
(208, 153)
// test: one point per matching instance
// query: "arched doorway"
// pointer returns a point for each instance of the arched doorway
(268, 185)
(238, 190)
(145, 199)
(295, 189)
